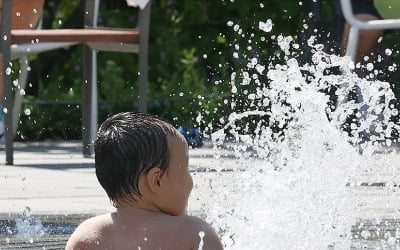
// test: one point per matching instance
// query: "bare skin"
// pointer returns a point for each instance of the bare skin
(156, 221)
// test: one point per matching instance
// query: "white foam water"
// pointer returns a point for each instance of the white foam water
(293, 193)
(29, 228)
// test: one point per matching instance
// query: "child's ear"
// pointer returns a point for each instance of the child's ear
(153, 178)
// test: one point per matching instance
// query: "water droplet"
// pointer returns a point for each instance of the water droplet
(22, 92)
(370, 66)
(391, 240)
(234, 90)
(18, 13)
(319, 47)
(27, 212)
(365, 234)
(201, 244)
(199, 118)
(261, 5)
(8, 71)
(229, 23)
(5, 37)
(5, 110)
(27, 112)
(205, 56)
(35, 11)
(236, 27)
(260, 68)
(251, 96)
(388, 52)
(265, 26)
(181, 94)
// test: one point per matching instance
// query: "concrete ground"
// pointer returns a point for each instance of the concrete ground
(52, 181)
(53, 178)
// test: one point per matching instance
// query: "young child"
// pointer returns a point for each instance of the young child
(142, 163)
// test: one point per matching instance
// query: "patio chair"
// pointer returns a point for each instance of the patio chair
(17, 43)
(357, 25)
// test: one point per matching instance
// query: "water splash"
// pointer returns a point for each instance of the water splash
(294, 193)
(29, 227)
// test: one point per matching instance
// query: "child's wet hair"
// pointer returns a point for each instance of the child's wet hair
(128, 145)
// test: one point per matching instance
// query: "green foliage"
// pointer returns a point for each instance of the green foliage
(190, 61)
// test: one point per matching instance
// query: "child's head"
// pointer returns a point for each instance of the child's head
(132, 148)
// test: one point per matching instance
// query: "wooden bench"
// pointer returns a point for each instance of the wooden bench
(133, 40)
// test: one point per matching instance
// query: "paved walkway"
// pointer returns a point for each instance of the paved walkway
(54, 178)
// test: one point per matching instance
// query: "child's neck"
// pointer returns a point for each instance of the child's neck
(137, 206)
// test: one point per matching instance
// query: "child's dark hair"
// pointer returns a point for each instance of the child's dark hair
(128, 145)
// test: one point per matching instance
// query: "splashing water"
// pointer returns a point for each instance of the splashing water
(28, 227)
(294, 193)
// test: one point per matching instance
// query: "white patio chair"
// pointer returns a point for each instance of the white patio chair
(357, 25)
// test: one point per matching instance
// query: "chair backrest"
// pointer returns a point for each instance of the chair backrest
(26, 14)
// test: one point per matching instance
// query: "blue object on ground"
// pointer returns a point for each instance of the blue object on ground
(193, 137)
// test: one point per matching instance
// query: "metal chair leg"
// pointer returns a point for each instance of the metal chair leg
(23, 77)
(144, 24)
(352, 43)
(90, 109)
(5, 29)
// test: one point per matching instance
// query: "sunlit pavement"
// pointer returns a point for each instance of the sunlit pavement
(54, 180)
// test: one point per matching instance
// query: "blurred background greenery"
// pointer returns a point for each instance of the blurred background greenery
(190, 61)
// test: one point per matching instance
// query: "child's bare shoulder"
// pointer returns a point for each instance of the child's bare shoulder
(89, 233)
(202, 232)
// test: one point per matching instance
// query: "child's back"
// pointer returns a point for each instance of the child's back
(128, 229)
(142, 163)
